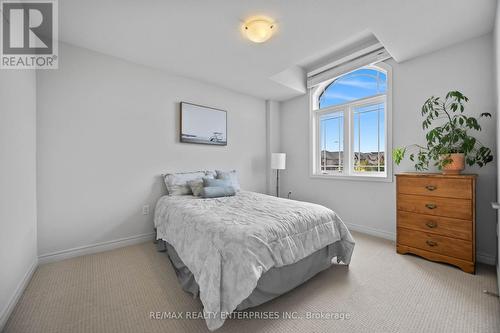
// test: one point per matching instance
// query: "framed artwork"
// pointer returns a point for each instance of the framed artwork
(202, 124)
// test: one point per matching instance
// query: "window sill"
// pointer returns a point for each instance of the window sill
(384, 179)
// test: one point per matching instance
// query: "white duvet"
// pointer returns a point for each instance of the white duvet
(228, 243)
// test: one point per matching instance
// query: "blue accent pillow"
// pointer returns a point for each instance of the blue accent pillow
(210, 182)
(217, 191)
(232, 176)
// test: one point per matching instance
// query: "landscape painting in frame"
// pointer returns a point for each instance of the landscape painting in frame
(201, 124)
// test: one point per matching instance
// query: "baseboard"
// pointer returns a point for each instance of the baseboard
(371, 231)
(94, 248)
(481, 257)
(486, 258)
(17, 295)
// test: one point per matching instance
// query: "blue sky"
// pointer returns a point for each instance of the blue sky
(358, 84)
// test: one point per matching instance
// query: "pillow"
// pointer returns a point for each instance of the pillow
(210, 182)
(217, 191)
(196, 186)
(210, 173)
(177, 183)
(232, 176)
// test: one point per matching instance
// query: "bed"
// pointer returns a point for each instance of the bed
(238, 252)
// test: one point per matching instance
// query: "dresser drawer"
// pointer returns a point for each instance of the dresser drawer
(456, 248)
(448, 207)
(436, 187)
(444, 226)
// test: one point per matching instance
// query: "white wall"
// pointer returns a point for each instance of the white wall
(106, 130)
(496, 43)
(371, 205)
(273, 141)
(18, 250)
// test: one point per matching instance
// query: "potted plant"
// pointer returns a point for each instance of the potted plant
(449, 143)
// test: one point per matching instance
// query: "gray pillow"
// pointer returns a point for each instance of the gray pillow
(210, 182)
(177, 183)
(217, 191)
(196, 186)
(232, 176)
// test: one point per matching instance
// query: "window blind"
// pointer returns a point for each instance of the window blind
(364, 57)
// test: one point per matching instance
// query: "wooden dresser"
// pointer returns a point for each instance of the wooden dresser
(436, 217)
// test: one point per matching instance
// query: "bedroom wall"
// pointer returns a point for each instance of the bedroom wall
(273, 141)
(18, 251)
(108, 128)
(496, 43)
(370, 206)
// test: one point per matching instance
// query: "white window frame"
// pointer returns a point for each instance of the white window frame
(315, 113)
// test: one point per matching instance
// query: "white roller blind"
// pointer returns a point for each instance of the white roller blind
(358, 59)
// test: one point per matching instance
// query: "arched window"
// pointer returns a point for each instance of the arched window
(350, 117)
(361, 83)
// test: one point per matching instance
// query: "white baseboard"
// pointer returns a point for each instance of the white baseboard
(481, 257)
(94, 248)
(5, 314)
(372, 231)
(486, 258)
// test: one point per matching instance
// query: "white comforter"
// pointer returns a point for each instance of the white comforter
(228, 243)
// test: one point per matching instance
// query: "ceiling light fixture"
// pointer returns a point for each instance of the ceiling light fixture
(259, 30)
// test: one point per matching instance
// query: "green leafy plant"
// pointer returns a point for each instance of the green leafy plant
(449, 137)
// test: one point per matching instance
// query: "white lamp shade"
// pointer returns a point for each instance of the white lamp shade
(278, 161)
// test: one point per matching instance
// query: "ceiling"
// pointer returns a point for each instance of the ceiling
(202, 39)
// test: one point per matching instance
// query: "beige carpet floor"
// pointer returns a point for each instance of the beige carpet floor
(381, 291)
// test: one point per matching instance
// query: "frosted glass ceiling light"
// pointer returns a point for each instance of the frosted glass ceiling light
(259, 30)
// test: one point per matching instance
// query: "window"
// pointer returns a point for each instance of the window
(350, 117)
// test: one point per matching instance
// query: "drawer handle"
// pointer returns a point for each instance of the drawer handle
(431, 206)
(431, 224)
(431, 187)
(431, 243)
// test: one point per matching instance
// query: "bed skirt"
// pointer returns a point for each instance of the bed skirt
(273, 283)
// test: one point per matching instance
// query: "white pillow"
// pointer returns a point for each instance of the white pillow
(197, 185)
(177, 183)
